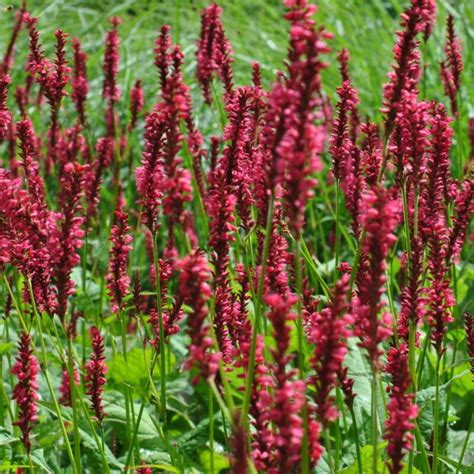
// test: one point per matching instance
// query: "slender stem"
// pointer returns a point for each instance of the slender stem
(337, 237)
(162, 331)
(258, 314)
(375, 431)
(77, 438)
(211, 428)
(357, 441)
(436, 418)
(464, 446)
(301, 354)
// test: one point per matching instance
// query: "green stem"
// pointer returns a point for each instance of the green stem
(337, 237)
(357, 441)
(211, 428)
(374, 430)
(301, 352)
(464, 446)
(77, 437)
(436, 418)
(258, 314)
(162, 331)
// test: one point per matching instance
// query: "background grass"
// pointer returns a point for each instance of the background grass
(258, 33)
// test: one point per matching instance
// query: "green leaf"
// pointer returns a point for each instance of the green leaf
(221, 462)
(134, 370)
(5, 347)
(366, 458)
(90, 444)
(6, 437)
(195, 439)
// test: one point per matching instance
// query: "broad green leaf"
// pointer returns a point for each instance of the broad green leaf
(90, 444)
(6, 437)
(220, 461)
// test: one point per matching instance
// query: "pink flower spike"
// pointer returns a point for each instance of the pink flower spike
(25, 392)
(95, 373)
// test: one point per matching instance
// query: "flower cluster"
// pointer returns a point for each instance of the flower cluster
(95, 373)
(25, 392)
(401, 410)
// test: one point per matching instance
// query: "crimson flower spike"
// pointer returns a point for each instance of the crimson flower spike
(340, 144)
(137, 102)
(452, 66)
(65, 387)
(53, 78)
(118, 280)
(405, 72)
(79, 83)
(68, 231)
(380, 217)
(105, 150)
(401, 410)
(25, 392)
(464, 208)
(196, 292)
(214, 53)
(469, 323)
(22, 17)
(288, 397)
(292, 154)
(110, 66)
(95, 373)
(150, 175)
(330, 333)
(5, 114)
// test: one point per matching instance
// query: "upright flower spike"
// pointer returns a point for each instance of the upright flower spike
(137, 101)
(25, 392)
(118, 280)
(440, 296)
(330, 333)
(437, 178)
(26, 239)
(150, 175)
(195, 290)
(340, 144)
(469, 324)
(22, 17)
(288, 397)
(68, 232)
(214, 53)
(79, 82)
(110, 88)
(405, 72)
(110, 66)
(239, 449)
(303, 141)
(380, 218)
(401, 410)
(464, 208)
(293, 137)
(53, 78)
(95, 373)
(65, 387)
(452, 66)
(5, 114)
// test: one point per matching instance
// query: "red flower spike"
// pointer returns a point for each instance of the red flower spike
(118, 280)
(95, 374)
(195, 291)
(79, 83)
(380, 217)
(401, 410)
(329, 333)
(25, 392)
(452, 66)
